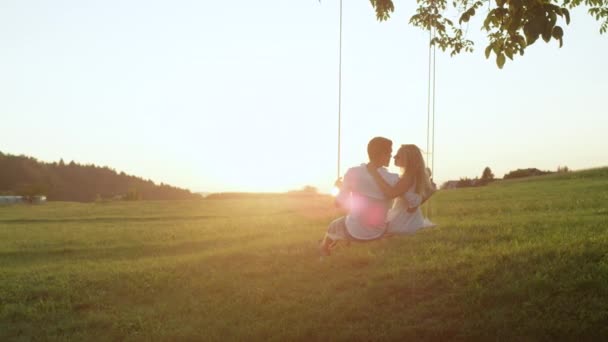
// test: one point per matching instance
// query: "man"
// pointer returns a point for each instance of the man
(364, 201)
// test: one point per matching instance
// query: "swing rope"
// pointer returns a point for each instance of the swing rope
(339, 92)
(433, 129)
(428, 103)
(430, 128)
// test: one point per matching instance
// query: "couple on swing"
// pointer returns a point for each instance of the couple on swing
(367, 192)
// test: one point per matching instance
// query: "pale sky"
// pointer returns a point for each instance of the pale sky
(242, 95)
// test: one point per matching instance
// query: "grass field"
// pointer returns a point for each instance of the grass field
(516, 260)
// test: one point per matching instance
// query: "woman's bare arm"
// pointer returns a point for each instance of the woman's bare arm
(399, 189)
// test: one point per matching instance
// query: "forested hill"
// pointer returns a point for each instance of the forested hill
(21, 175)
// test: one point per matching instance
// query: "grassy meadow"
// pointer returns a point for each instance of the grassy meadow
(515, 260)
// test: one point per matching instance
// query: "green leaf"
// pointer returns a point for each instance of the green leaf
(530, 33)
(567, 15)
(557, 32)
(464, 17)
(527, 29)
(552, 18)
(488, 51)
(500, 60)
(495, 48)
(509, 53)
(521, 40)
(486, 23)
(547, 32)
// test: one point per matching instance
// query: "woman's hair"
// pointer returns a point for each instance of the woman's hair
(415, 168)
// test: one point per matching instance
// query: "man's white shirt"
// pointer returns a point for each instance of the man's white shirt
(365, 201)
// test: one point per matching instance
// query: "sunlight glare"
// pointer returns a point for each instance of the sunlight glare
(335, 191)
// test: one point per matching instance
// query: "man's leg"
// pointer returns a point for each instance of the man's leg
(335, 232)
(326, 245)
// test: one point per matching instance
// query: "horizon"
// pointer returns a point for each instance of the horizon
(242, 97)
(318, 191)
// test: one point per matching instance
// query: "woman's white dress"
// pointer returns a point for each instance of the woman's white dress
(400, 221)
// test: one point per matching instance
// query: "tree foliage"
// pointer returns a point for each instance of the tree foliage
(26, 176)
(520, 173)
(511, 25)
(487, 174)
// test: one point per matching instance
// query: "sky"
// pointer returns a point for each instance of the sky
(243, 95)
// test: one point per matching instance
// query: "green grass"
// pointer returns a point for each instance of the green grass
(516, 260)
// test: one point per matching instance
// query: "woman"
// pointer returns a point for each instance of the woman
(414, 187)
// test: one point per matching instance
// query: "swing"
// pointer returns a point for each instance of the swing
(430, 129)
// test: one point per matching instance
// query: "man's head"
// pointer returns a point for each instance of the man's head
(379, 150)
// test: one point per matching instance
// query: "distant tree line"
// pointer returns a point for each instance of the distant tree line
(26, 176)
(520, 173)
(487, 176)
